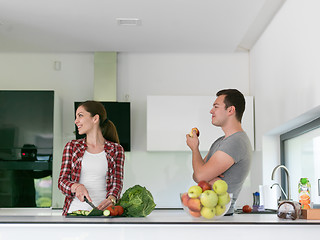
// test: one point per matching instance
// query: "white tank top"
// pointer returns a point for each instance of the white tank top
(94, 168)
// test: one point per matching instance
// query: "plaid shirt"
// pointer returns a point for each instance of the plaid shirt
(71, 169)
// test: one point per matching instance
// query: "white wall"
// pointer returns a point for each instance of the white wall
(168, 173)
(74, 82)
(285, 76)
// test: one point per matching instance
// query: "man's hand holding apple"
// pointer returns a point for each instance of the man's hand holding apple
(193, 141)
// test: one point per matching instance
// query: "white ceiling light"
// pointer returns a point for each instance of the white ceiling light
(128, 21)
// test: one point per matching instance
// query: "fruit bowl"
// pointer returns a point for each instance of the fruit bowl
(194, 207)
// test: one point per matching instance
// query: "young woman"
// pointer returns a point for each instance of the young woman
(92, 166)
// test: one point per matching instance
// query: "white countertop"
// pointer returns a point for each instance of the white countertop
(34, 224)
(40, 216)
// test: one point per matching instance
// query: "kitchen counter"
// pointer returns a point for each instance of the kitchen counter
(168, 217)
(25, 165)
(158, 225)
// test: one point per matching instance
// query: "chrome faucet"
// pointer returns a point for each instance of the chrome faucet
(288, 196)
(280, 189)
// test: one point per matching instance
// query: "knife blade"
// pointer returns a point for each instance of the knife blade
(94, 211)
(90, 203)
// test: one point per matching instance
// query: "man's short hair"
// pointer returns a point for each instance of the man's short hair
(235, 98)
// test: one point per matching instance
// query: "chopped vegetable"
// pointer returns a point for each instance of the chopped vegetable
(95, 212)
(77, 212)
(80, 213)
(137, 201)
(83, 212)
(106, 213)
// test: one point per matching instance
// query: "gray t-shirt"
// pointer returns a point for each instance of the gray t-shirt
(237, 146)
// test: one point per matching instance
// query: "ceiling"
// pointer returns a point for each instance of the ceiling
(163, 25)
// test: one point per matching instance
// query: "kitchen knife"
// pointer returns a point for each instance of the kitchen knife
(94, 211)
(90, 203)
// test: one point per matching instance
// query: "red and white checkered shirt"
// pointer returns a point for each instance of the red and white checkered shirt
(71, 169)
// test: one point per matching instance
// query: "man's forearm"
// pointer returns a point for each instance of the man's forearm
(197, 163)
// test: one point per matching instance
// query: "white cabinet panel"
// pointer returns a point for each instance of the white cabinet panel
(170, 118)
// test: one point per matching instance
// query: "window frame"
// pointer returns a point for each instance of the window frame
(305, 128)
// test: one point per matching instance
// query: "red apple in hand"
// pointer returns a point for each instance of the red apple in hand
(204, 185)
(194, 129)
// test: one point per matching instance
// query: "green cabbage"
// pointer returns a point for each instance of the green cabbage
(137, 201)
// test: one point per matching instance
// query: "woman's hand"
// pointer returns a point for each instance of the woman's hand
(80, 191)
(106, 203)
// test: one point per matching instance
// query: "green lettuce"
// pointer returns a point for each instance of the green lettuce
(137, 201)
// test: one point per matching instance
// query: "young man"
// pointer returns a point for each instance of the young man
(229, 157)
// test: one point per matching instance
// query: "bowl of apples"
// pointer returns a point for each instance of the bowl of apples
(206, 201)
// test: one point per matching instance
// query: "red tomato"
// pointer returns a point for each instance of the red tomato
(120, 210)
(246, 209)
(113, 211)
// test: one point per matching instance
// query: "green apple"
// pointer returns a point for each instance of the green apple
(220, 186)
(194, 191)
(220, 210)
(207, 212)
(223, 199)
(209, 199)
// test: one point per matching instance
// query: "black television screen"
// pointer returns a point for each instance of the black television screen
(119, 114)
(26, 117)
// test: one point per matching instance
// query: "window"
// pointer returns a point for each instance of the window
(300, 153)
(43, 191)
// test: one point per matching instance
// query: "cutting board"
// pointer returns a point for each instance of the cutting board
(313, 214)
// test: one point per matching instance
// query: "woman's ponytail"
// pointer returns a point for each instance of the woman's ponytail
(109, 131)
